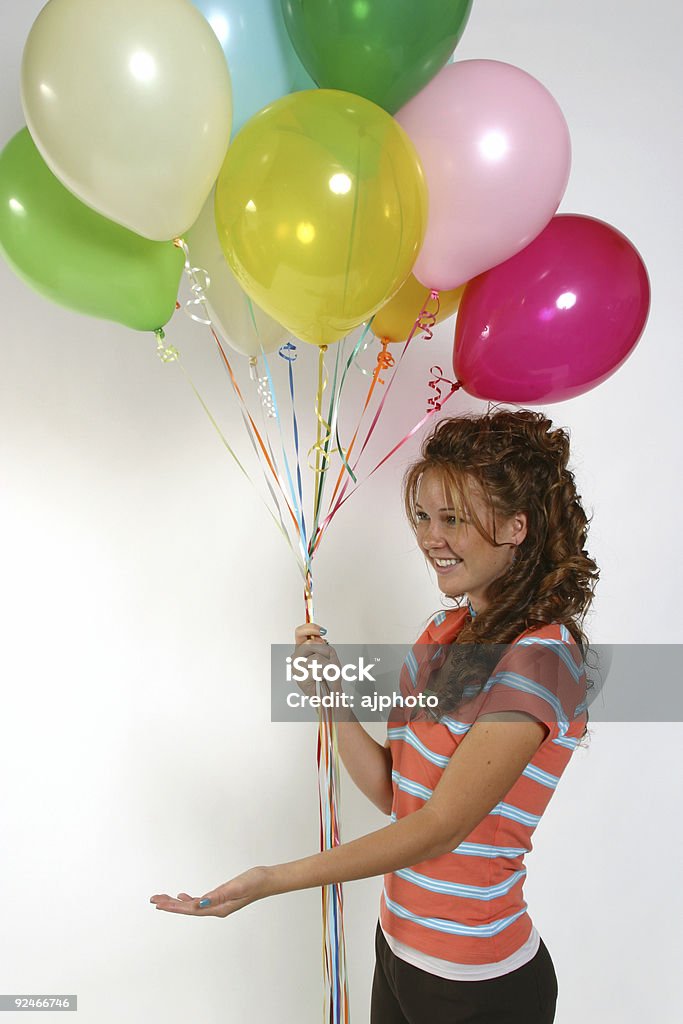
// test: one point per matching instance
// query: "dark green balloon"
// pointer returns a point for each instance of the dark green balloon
(76, 257)
(385, 50)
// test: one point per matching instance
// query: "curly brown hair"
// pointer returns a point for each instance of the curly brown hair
(519, 464)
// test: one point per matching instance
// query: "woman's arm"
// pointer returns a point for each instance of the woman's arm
(368, 763)
(479, 774)
(410, 840)
(483, 769)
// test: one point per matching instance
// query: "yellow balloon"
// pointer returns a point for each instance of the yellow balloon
(395, 320)
(321, 209)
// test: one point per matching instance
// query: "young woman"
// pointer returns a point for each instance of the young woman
(497, 517)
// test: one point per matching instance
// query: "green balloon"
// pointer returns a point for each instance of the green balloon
(385, 50)
(76, 257)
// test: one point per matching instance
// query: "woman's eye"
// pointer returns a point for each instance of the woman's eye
(451, 520)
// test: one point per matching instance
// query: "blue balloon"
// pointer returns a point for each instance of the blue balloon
(262, 61)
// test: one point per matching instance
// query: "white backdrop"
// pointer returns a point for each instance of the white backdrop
(143, 582)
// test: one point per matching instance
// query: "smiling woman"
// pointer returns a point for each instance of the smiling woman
(496, 515)
(465, 780)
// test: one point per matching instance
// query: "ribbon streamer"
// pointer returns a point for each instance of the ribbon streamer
(247, 416)
(289, 353)
(331, 422)
(424, 319)
(170, 354)
(262, 389)
(322, 423)
(198, 290)
(334, 949)
(298, 505)
(422, 322)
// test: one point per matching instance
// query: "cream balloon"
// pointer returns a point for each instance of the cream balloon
(242, 323)
(129, 103)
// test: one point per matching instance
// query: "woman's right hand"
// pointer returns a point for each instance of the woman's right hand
(311, 645)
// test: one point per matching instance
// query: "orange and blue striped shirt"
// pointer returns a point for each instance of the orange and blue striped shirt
(462, 915)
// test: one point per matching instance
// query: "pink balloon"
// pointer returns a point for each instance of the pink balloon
(496, 153)
(556, 319)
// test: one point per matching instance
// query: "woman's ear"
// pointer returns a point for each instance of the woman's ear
(519, 527)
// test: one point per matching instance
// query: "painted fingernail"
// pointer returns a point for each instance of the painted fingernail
(322, 631)
(205, 903)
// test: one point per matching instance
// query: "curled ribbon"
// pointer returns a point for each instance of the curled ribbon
(385, 360)
(283, 350)
(435, 402)
(199, 281)
(320, 447)
(427, 320)
(262, 388)
(317, 447)
(167, 353)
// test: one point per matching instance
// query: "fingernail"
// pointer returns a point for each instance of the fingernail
(322, 631)
(205, 903)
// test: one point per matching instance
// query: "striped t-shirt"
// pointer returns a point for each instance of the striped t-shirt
(462, 915)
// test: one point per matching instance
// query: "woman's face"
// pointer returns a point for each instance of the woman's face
(443, 533)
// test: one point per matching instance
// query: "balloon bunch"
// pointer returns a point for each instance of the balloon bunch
(313, 167)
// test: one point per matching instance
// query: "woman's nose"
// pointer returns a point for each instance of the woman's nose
(432, 536)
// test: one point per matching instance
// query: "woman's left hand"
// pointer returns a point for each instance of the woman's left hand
(246, 888)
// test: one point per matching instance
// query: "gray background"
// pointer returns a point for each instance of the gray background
(143, 582)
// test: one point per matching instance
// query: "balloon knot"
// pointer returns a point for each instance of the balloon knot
(385, 360)
(167, 353)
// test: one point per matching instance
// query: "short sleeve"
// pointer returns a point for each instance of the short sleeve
(542, 676)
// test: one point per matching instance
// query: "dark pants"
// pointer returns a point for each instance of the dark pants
(404, 994)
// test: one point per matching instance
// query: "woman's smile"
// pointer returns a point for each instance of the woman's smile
(444, 569)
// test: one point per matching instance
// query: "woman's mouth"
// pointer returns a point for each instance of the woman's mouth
(445, 565)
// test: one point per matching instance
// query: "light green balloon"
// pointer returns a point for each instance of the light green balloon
(74, 256)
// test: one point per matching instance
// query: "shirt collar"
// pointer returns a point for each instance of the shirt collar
(447, 626)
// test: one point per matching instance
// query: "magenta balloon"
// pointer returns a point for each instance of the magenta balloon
(496, 153)
(556, 319)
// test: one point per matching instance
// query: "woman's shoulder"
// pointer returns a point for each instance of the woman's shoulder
(443, 625)
(546, 631)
